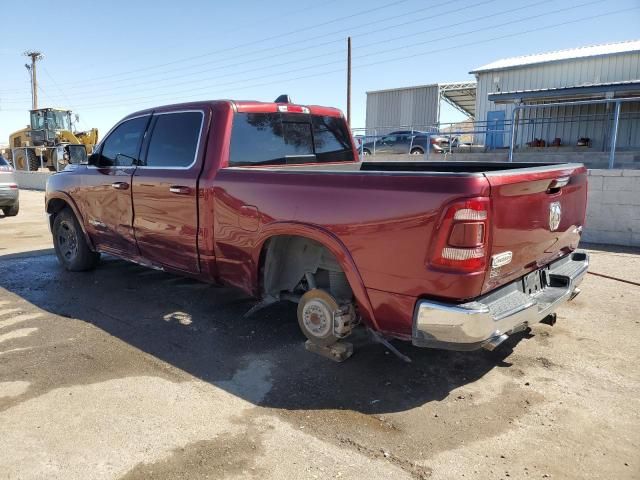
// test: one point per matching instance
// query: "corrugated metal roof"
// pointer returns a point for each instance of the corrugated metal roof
(581, 52)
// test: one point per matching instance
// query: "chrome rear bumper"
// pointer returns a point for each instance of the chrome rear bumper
(487, 320)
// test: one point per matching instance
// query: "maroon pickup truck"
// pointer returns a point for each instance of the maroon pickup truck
(272, 198)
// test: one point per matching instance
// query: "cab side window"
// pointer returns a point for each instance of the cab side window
(122, 146)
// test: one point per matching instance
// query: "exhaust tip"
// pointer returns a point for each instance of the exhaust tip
(492, 344)
(574, 294)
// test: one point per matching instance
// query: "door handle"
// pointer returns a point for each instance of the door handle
(180, 190)
(120, 185)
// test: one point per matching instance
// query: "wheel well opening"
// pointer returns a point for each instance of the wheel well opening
(292, 265)
(56, 205)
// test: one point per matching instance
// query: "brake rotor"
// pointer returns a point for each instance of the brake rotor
(316, 311)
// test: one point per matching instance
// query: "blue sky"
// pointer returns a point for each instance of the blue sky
(106, 59)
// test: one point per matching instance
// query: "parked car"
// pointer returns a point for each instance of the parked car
(440, 144)
(271, 198)
(357, 140)
(399, 142)
(9, 193)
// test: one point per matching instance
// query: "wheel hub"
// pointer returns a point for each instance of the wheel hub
(67, 241)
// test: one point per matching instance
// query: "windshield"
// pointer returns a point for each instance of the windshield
(50, 120)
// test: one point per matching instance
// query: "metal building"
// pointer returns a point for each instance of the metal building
(587, 75)
(417, 107)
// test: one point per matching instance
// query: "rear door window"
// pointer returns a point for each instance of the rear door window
(280, 138)
(174, 140)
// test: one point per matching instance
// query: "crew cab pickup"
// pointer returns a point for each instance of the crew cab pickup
(272, 198)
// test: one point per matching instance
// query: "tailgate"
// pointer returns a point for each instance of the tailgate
(537, 214)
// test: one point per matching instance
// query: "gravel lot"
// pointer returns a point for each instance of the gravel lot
(131, 373)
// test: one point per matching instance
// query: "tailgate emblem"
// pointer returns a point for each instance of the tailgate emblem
(500, 259)
(555, 212)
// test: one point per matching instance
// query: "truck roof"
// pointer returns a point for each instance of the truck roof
(251, 106)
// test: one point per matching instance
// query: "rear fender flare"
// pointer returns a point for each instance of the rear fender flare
(69, 202)
(331, 243)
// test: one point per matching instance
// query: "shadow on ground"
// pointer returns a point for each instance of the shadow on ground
(200, 330)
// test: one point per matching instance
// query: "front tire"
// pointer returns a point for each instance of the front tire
(71, 247)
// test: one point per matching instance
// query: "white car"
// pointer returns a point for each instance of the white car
(9, 201)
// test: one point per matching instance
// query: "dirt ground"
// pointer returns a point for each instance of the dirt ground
(130, 373)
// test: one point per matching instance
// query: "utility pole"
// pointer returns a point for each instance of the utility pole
(35, 56)
(349, 81)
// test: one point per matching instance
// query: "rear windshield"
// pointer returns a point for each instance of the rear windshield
(288, 138)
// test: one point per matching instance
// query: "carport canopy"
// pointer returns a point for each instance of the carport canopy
(460, 95)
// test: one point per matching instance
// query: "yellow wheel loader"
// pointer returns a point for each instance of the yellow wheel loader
(42, 144)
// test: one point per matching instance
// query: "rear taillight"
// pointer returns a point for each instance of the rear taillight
(461, 239)
(13, 186)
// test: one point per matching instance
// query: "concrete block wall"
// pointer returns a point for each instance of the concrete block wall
(613, 209)
(32, 180)
(594, 160)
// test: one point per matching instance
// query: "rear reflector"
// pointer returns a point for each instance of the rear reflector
(293, 109)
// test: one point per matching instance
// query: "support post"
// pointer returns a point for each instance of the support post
(428, 152)
(514, 118)
(35, 56)
(614, 135)
(349, 81)
(375, 139)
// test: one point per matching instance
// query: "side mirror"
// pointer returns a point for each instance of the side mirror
(93, 159)
(77, 154)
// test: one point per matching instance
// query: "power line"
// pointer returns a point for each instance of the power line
(393, 60)
(104, 79)
(262, 21)
(253, 42)
(378, 52)
(69, 103)
(448, 26)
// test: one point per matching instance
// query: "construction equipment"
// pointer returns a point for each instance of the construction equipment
(47, 142)
(42, 144)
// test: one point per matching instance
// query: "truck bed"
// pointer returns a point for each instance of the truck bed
(389, 215)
